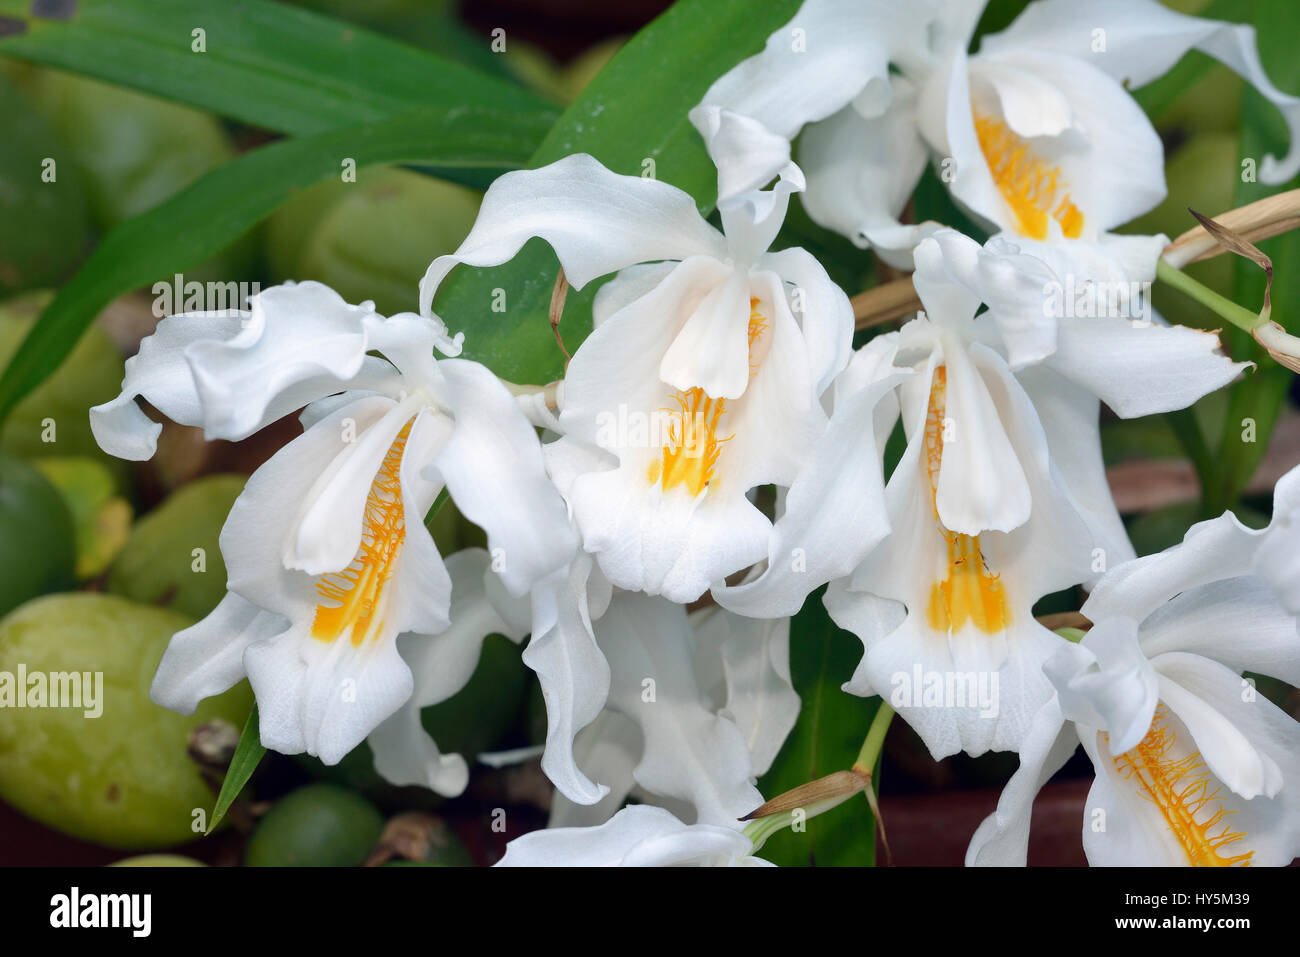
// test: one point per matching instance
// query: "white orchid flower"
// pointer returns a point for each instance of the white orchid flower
(981, 519)
(682, 750)
(702, 377)
(637, 836)
(1193, 767)
(326, 550)
(405, 754)
(699, 705)
(1036, 134)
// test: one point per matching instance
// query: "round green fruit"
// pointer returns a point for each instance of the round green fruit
(136, 151)
(172, 557)
(43, 203)
(37, 541)
(372, 239)
(115, 770)
(320, 825)
(158, 860)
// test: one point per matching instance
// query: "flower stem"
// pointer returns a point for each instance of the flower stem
(1239, 316)
(875, 739)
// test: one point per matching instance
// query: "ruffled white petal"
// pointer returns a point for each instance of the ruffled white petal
(596, 221)
(690, 753)
(1002, 839)
(1107, 682)
(442, 665)
(159, 373)
(606, 750)
(572, 670)
(759, 696)
(299, 343)
(208, 657)
(1278, 560)
(492, 464)
(324, 698)
(637, 836)
(1140, 368)
(1210, 551)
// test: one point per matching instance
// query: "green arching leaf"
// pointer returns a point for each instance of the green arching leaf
(268, 64)
(203, 219)
(633, 112)
(830, 731)
(1158, 96)
(248, 755)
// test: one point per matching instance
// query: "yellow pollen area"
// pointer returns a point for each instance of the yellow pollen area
(1180, 788)
(970, 593)
(356, 591)
(1030, 186)
(690, 456)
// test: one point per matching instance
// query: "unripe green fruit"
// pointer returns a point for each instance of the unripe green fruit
(122, 779)
(372, 239)
(158, 860)
(320, 825)
(43, 204)
(37, 545)
(173, 557)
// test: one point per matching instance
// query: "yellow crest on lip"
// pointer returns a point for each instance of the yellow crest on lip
(1180, 789)
(358, 590)
(1029, 185)
(970, 593)
(690, 456)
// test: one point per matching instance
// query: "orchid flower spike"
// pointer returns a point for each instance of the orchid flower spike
(328, 557)
(999, 498)
(702, 377)
(1036, 134)
(1194, 767)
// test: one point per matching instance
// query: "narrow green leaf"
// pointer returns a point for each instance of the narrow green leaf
(269, 64)
(203, 219)
(248, 755)
(634, 112)
(831, 728)
(1158, 96)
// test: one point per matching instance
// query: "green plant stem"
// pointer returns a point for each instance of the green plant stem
(1225, 308)
(875, 739)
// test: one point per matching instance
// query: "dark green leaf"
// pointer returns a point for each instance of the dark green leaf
(248, 754)
(203, 219)
(268, 64)
(634, 112)
(832, 725)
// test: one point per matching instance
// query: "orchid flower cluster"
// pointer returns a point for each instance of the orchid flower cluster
(627, 538)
